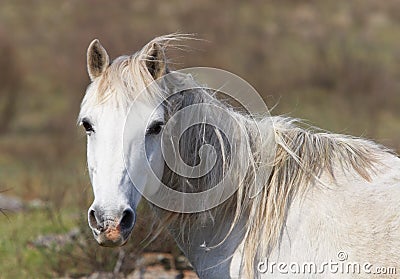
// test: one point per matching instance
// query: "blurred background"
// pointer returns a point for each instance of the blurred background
(334, 63)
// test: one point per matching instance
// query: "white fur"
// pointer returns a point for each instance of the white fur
(355, 216)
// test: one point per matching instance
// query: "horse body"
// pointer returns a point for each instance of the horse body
(342, 214)
(326, 194)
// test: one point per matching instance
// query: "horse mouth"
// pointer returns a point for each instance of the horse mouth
(112, 237)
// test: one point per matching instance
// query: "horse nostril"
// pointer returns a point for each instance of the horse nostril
(92, 219)
(127, 220)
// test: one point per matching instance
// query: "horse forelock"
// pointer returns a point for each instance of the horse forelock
(127, 76)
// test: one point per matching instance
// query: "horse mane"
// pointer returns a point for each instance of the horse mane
(300, 155)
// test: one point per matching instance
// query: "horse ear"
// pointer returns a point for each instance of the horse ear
(97, 59)
(156, 61)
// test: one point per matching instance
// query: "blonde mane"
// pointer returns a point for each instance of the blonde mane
(300, 156)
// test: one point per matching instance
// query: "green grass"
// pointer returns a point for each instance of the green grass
(18, 257)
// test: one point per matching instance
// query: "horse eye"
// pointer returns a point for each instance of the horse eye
(88, 127)
(154, 128)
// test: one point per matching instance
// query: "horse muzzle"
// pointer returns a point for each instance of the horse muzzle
(111, 230)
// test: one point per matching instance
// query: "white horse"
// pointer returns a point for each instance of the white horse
(329, 200)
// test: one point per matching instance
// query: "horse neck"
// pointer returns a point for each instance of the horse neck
(206, 239)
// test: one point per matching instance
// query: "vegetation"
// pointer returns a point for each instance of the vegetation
(334, 63)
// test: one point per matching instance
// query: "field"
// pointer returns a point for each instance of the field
(334, 63)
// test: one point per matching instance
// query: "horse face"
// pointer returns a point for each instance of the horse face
(113, 212)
